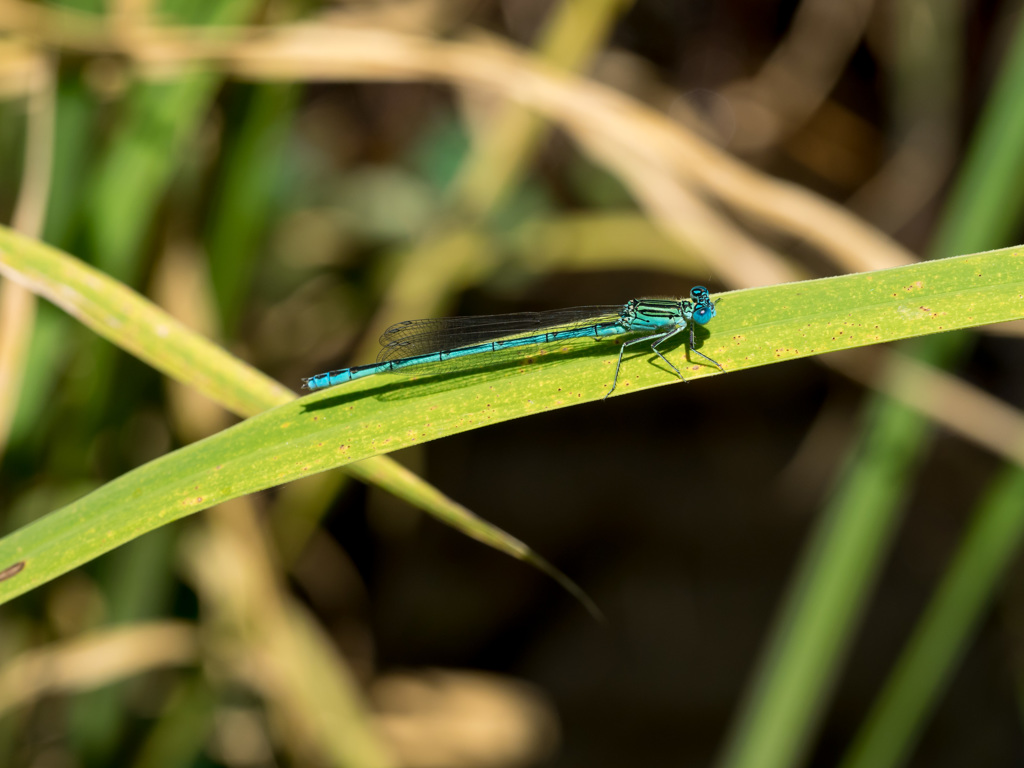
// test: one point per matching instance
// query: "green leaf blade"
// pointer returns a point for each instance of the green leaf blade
(379, 414)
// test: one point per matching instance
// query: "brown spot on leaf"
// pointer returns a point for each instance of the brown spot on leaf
(12, 570)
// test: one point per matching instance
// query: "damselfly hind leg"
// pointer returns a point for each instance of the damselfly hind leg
(660, 338)
(666, 337)
(694, 349)
(615, 378)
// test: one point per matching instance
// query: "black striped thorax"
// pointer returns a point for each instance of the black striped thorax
(652, 314)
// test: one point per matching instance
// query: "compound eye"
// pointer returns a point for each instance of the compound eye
(703, 313)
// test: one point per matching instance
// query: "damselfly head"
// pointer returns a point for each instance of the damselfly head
(700, 294)
(702, 313)
(703, 307)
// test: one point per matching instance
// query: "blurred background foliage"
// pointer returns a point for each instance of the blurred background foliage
(814, 575)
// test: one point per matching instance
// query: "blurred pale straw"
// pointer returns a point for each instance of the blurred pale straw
(19, 67)
(584, 108)
(96, 659)
(17, 303)
(949, 401)
(335, 52)
(507, 139)
(504, 141)
(745, 263)
(260, 635)
(181, 285)
(798, 76)
(439, 717)
(596, 239)
(246, 612)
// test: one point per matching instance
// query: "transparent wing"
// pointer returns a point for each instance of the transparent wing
(421, 337)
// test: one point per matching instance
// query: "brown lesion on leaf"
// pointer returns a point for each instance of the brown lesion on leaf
(12, 570)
